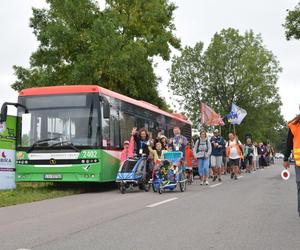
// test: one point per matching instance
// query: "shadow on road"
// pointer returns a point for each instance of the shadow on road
(85, 187)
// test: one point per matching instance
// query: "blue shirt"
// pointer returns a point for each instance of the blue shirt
(217, 151)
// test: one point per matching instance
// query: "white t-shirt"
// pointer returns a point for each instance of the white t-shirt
(233, 151)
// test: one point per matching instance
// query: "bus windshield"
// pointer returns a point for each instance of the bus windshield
(55, 119)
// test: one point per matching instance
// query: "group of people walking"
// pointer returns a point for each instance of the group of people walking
(212, 156)
(215, 156)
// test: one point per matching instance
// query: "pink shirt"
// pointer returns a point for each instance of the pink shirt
(128, 153)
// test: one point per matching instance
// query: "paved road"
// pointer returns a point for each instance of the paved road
(258, 211)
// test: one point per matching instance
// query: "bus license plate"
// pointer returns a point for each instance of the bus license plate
(52, 176)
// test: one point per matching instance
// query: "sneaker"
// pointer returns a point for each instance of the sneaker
(201, 183)
(220, 180)
(206, 183)
(214, 179)
(232, 175)
(235, 177)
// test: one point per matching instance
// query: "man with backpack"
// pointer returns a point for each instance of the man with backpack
(218, 146)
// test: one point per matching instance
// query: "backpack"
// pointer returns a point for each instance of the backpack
(198, 150)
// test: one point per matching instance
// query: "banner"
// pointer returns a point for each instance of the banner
(7, 153)
(236, 115)
(210, 117)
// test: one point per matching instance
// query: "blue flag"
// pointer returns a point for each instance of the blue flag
(236, 115)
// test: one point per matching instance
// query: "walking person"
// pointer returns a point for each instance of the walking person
(162, 139)
(157, 153)
(164, 142)
(255, 157)
(202, 151)
(293, 144)
(178, 142)
(234, 153)
(127, 152)
(249, 155)
(263, 155)
(224, 161)
(218, 146)
(141, 139)
(189, 160)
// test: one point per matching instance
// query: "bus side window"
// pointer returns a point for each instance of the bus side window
(114, 131)
(127, 122)
(110, 122)
(105, 132)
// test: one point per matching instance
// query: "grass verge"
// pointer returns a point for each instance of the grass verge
(29, 192)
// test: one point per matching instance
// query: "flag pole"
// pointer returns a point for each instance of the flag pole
(234, 129)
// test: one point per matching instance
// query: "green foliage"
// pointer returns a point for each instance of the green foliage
(292, 23)
(187, 79)
(234, 68)
(113, 47)
(281, 139)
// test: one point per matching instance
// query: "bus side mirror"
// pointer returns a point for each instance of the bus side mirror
(3, 113)
(4, 110)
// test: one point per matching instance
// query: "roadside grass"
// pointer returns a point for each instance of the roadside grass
(37, 191)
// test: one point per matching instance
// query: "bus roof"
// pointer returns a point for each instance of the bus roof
(76, 89)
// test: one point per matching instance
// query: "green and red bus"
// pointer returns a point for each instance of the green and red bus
(75, 133)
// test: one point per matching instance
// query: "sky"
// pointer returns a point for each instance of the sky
(195, 20)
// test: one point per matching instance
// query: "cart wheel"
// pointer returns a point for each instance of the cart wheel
(142, 186)
(160, 190)
(190, 179)
(182, 186)
(122, 189)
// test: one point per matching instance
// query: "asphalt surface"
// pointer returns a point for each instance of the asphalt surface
(257, 211)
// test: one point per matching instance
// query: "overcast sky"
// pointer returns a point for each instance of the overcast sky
(195, 20)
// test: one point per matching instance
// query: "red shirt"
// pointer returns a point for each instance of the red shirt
(189, 157)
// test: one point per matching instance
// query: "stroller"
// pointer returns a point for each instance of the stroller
(169, 173)
(133, 172)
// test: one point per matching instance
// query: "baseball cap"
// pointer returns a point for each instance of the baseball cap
(126, 142)
(216, 131)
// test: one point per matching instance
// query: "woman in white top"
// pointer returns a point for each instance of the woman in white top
(234, 153)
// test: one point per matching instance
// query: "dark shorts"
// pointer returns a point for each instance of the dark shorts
(189, 169)
(249, 160)
(233, 162)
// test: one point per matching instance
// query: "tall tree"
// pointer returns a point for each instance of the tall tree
(187, 80)
(79, 43)
(292, 23)
(235, 68)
